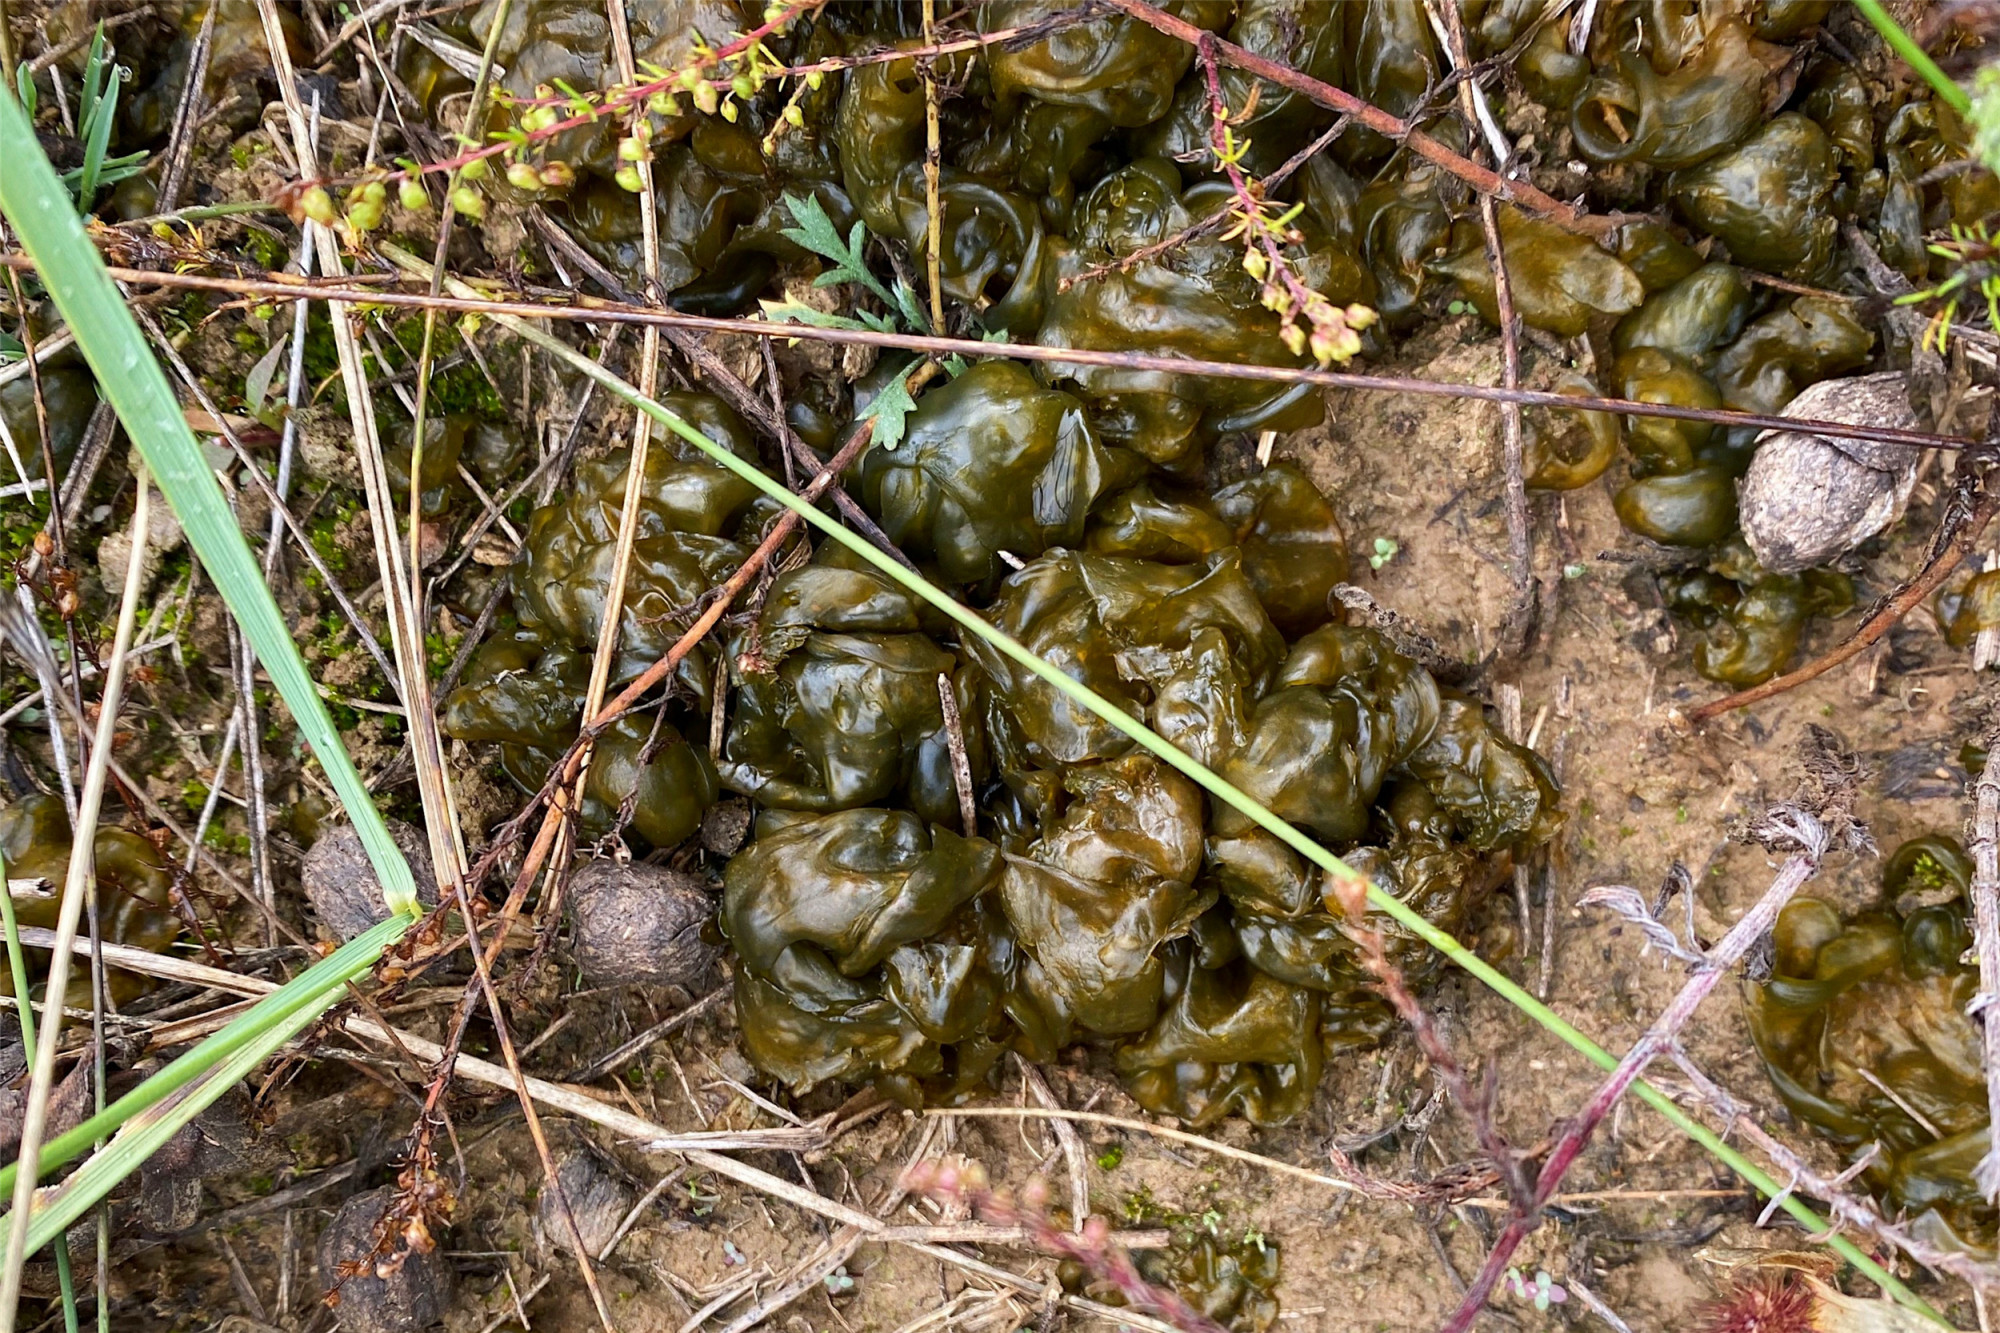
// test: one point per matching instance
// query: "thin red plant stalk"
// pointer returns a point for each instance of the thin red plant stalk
(1935, 573)
(1249, 202)
(619, 99)
(1389, 979)
(1483, 179)
(1091, 1247)
(588, 310)
(1659, 1039)
(567, 768)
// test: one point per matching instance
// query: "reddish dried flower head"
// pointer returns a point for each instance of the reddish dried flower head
(1764, 1303)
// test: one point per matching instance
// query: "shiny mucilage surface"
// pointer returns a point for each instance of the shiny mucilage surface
(134, 883)
(1864, 1032)
(1098, 898)
(1101, 900)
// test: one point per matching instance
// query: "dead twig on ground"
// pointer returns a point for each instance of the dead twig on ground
(1970, 507)
(1516, 626)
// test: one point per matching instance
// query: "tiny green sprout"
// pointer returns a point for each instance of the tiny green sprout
(473, 170)
(1109, 1159)
(1252, 1236)
(413, 196)
(1575, 571)
(1385, 551)
(838, 1281)
(1211, 1222)
(468, 201)
(1457, 308)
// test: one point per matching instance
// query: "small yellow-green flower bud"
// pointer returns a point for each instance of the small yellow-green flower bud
(469, 201)
(705, 99)
(729, 112)
(317, 204)
(631, 150)
(743, 86)
(473, 170)
(413, 196)
(1294, 338)
(816, 80)
(795, 116)
(663, 103)
(558, 175)
(628, 178)
(523, 176)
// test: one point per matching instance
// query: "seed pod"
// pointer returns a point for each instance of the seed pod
(413, 196)
(341, 884)
(1808, 498)
(639, 924)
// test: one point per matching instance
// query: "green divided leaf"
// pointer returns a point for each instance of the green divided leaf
(889, 409)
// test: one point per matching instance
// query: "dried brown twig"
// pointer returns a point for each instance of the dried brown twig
(1986, 933)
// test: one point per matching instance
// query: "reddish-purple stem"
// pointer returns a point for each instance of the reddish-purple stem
(1658, 1039)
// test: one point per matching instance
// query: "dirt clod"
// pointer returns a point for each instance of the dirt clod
(639, 924)
(341, 884)
(598, 1197)
(412, 1295)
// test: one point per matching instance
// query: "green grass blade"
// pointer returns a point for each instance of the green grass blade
(1210, 781)
(1913, 55)
(93, 80)
(46, 220)
(148, 1131)
(97, 143)
(310, 993)
(17, 963)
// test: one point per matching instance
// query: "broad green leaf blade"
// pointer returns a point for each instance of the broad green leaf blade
(311, 992)
(1204, 777)
(266, 1028)
(46, 221)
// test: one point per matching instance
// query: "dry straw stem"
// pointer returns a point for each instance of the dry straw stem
(406, 631)
(1986, 934)
(705, 1149)
(472, 300)
(1202, 776)
(77, 886)
(1520, 540)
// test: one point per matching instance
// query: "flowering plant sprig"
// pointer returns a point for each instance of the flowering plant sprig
(1307, 320)
(715, 81)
